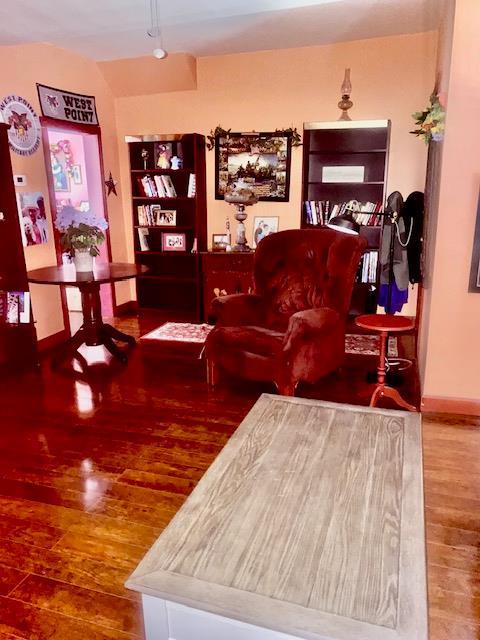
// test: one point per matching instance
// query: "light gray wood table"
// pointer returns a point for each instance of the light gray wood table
(309, 524)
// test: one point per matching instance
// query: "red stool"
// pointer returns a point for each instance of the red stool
(385, 324)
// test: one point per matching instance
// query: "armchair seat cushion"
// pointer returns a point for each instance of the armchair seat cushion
(247, 351)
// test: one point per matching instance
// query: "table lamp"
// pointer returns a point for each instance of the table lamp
(242, 195)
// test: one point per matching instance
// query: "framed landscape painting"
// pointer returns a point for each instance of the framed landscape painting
(261, 160)
(474, 284)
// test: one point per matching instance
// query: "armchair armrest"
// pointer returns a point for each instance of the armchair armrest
(238, 309)
(311, 324)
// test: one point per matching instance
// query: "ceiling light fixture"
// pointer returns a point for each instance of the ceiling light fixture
(155, 32)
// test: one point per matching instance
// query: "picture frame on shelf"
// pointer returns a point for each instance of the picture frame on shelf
(219, 241)
(263, 226)
(174, 242)
(262, 160)
(143, 239)
(163, 153)
(166, 217)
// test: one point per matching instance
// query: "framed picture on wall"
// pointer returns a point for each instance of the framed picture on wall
(474, 284)
(261, 160)
(76, 174)
(263, 226)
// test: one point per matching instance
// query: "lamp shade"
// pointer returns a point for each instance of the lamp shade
(345, 223)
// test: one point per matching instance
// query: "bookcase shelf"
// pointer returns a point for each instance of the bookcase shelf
(18, 342)
(158, 199)
(346, 145)
(174, 281)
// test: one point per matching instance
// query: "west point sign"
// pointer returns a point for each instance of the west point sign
(68, 106)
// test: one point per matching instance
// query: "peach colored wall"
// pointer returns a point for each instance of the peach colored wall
(392, 77)
(141, 76)
(432, 191)
(453, 350)
(25, 65)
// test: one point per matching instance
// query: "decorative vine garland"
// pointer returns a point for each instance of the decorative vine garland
(220, 131)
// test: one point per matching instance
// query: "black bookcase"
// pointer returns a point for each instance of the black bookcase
(343, 145)
(173, 283)
(18, 340)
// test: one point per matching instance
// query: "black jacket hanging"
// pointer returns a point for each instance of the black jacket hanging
(412, 213)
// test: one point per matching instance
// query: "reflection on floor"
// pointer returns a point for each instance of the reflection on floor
(92, 468)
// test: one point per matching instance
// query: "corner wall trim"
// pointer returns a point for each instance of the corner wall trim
(437, 404)
(126, 308)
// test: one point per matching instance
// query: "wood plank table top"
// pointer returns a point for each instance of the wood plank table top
(310, 522)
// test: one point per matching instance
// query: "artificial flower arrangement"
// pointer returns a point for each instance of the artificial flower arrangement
(430, 122)
(81, 231)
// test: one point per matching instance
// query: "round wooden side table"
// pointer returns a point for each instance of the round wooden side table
(383, 325)
(94, 331)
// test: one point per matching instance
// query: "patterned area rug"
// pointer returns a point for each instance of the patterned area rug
(366, 345)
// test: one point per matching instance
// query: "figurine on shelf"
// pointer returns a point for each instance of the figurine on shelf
(228, 246)
(145, 156)
(176, 162)
(163, 161)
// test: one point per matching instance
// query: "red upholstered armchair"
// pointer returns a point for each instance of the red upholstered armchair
(293, 327)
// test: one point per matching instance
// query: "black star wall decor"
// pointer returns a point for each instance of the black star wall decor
(111, 185)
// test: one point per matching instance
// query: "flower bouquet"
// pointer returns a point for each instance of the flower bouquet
(82, 233)
(430, 122)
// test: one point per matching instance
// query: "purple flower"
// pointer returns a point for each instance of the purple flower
(68, 216)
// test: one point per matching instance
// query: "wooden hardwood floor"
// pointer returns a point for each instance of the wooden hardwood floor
(92, 469)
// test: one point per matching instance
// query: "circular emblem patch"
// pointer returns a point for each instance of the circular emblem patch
(24, 132)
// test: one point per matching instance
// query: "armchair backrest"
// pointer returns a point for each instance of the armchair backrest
(302, 269)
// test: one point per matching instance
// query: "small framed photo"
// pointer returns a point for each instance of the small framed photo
(174, 242)
(219, 241)
(264, 226)
(163, 153)
(166, 217)
(77, 174)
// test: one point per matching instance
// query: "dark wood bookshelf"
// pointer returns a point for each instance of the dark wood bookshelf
(358, 143)
(18, 342)
(174, 281)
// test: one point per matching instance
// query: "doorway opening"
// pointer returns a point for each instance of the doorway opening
(73, 158)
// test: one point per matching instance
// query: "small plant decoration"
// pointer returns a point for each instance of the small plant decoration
(296, 137)
(220, 131)
(81, 231)
(430, 122)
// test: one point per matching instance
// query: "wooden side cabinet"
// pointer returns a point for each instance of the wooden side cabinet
(18, 342)
(225, 273)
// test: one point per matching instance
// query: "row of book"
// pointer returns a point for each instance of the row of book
(161, 186)
(320, 212)
(152, 215)
(368, 267)
(14, 307)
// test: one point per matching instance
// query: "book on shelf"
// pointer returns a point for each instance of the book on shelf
(148, 187)
(192, 186)
(152, 215)
(143, 239)
(368, 267)
(320, 212)
(168, 186)
(160, 187)
(14, 307)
